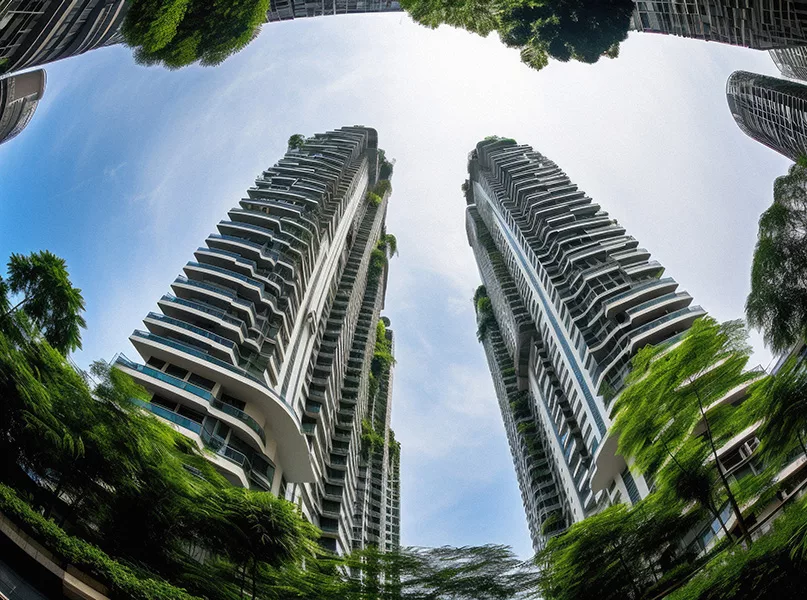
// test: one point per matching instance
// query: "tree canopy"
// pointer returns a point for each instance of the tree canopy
(777, 303)
(46, 301)
(583, 30)
(177, 33)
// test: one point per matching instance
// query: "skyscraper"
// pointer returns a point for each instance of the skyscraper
(35, 32)
(19, 97)
(282, 10)
(568, 299)
(265, 352)
(770, 110)
(762, 24)
(791, 62)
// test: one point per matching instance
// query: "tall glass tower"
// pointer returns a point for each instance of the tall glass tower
(770, 110)
(568, 299)
(264, 352)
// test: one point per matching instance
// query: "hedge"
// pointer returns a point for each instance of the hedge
(124, 581)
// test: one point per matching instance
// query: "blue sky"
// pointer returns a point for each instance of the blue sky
(124, 170)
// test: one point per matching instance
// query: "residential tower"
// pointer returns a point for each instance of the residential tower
(265, 350)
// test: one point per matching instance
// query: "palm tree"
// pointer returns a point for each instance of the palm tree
(777, 303)
(784, 406)
(49, 299)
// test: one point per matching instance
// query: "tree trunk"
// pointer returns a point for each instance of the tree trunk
(732, 500)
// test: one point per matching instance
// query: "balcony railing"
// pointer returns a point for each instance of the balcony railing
(157, 374)
(220, 447)
(194, 329)
(169, 415)
(209, 310)
(188, 349)
(197, 391)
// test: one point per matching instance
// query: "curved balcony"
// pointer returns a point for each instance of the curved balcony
(183, 422)
(607, 464)
(145, 374)
(219, 346)
(173, 306)
(251, 288)
(637, 294)
(192, 288)
(283, 425)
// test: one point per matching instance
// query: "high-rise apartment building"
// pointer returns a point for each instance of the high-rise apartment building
(770, 110)
(35, 32)
(791, 62)
(265, 351)
(19, 97)
(569, 298)
(282, 10)
(762, 24)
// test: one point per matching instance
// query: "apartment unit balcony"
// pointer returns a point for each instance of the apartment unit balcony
(203, 400)
(217, 295)
(285, 426)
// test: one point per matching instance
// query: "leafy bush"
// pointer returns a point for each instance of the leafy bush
(122, 579)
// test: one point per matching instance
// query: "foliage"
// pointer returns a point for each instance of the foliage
(467, 573)
(616, 554)
(773, 569)
(371, 440)
(385, 166)
(177, 33)
(668, 394)
(123, 481)
(296, 141)
(777, 303)
(125, 582)
(583, 30)
(386, 248)
(49, 301)
(485, 319)
(783, 399)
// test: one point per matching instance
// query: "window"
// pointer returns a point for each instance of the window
(176, 371)
(202, 382)
(155, 362)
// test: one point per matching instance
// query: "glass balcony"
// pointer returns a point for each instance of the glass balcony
(169, 415)
(197, 391)
(194, 329)
(165, 377)
(192, 350)
(240, 415)
(209, 310)
(218, 445)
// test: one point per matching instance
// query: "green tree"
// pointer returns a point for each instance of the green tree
(177, 33)
(582, 30)
(485, 319)
(48, 300)
(619, 553)
(489, 572)
(385, 167)
(783, 398)
(261, 528)
(669, 391)
(296, 141)
(777, 303)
